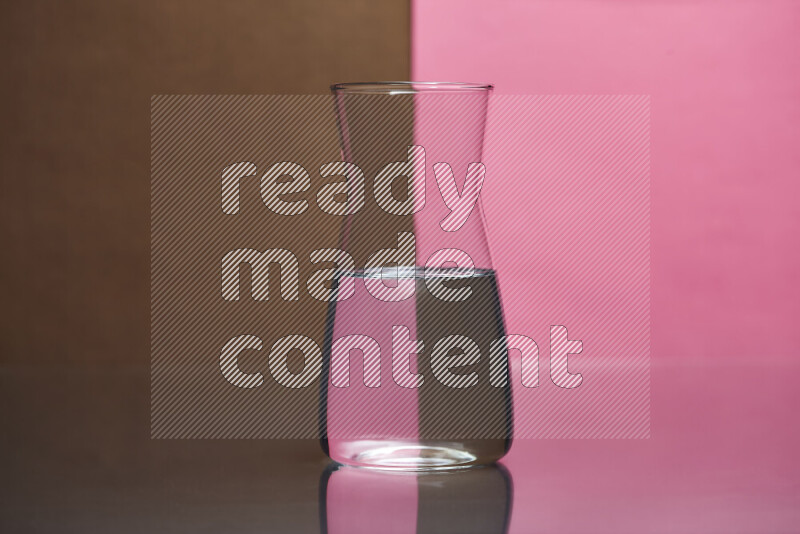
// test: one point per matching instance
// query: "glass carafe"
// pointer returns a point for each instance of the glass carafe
(415, 372)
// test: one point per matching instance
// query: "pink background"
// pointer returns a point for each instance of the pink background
(724, 78)
(724, 84)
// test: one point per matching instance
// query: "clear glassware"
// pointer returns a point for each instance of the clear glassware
(415, 373)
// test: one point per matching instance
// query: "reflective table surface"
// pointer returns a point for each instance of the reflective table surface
(722, 458)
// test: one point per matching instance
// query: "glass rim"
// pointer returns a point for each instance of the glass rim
(394, 88)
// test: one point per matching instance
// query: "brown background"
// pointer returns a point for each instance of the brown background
(78, 77)
(77, 82)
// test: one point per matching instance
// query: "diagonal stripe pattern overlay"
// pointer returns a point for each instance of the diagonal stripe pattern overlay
(568, 207)
(251, 212)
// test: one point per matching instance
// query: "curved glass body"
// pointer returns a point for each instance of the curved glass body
(416, 369)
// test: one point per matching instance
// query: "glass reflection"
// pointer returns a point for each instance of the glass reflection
(355, 500)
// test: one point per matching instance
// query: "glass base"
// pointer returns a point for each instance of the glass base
(410, 456)
(414, 458)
